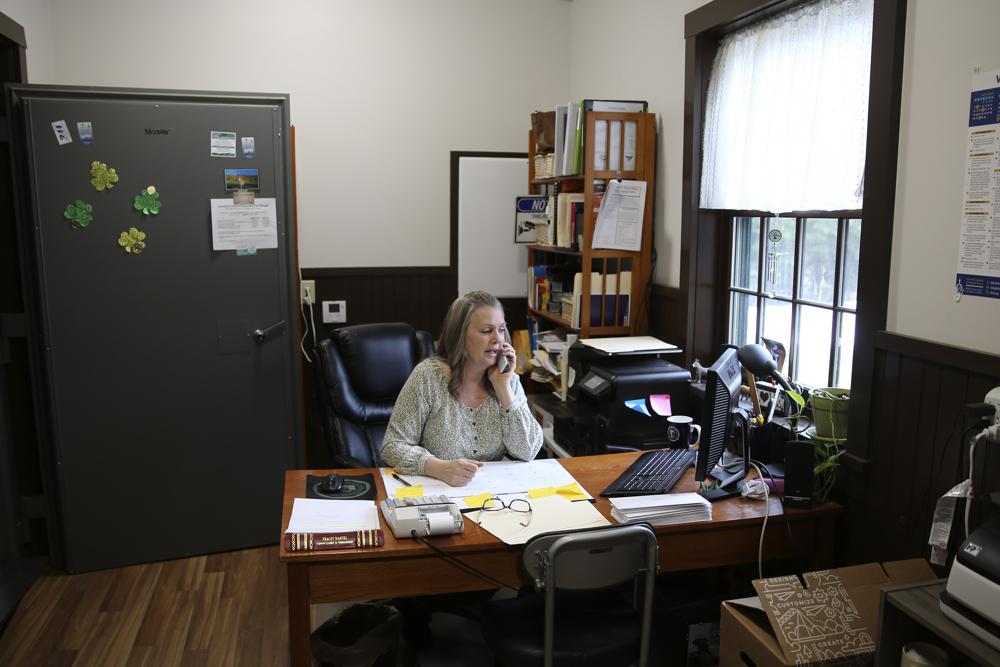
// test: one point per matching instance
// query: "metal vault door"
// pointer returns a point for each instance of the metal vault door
(170, 376)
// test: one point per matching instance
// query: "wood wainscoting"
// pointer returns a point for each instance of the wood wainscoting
(915, 448)
(666, 321)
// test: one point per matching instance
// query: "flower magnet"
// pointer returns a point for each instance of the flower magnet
(147, 201)
(133, 241)
(101, 177)
(79, 214)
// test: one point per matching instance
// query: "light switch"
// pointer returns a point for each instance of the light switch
(334, 312)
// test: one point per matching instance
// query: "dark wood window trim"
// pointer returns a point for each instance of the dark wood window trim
(703, 232)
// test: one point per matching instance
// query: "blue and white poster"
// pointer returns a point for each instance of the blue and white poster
(979, 244)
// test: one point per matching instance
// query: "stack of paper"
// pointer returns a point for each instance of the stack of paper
(661, 509)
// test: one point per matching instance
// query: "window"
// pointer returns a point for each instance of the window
(795, 281)
(785, 129)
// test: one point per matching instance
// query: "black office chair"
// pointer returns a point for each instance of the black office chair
(360, 370)
(597, 623)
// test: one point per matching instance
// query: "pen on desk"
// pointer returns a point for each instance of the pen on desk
(401, 480)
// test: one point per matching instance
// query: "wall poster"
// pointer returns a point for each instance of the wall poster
(979, 244)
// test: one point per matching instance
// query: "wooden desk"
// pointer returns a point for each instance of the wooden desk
(405, 568)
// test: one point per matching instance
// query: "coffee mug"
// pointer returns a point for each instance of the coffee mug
(682, 432)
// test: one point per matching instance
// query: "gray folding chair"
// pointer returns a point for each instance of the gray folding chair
(594, 624)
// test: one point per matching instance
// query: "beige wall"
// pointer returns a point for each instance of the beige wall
(381, 92)
(634, 50)
(944, 41)
(35, 16)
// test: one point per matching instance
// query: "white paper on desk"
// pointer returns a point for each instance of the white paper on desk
(619, 220)
(500, 478)
(318, 515)
(548, 513)
(244, 226)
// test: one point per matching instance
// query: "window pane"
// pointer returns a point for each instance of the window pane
(817, 267)
(742, 319)
(777, 322)
(779, 253)
(852, 250)
(812, 358)
(746, 252)
(845, 354)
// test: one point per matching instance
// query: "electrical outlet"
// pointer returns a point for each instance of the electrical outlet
(993, 398)
(308, 290)
(334, 312)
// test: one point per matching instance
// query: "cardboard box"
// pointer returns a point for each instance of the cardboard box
(830, 620)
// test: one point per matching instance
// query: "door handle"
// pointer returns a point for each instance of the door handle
(273, 331)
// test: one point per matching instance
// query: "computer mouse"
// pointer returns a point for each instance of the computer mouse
(331, 483)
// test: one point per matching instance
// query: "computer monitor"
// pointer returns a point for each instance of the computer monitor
(722, 390)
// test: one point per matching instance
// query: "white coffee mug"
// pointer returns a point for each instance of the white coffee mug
(682, 432)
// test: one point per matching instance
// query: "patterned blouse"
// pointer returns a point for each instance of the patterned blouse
(428, 421)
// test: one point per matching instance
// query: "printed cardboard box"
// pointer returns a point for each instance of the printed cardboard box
(831, 620)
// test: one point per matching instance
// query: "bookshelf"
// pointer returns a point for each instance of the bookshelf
(603, 276)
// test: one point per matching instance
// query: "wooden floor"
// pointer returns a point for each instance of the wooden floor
(223, 609)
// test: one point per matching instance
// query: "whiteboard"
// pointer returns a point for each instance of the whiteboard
(488, 258)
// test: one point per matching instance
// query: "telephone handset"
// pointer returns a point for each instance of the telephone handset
(502, 361)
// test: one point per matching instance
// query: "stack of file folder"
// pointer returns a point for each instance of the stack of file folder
(661, 509)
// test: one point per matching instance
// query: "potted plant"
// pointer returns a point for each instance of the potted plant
(829, 408)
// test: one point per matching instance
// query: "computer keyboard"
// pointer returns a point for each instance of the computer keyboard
(653, 472)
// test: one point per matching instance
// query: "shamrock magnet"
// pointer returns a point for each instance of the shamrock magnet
(79, 214)
(133, 241)
(147, 201)
(101, 177)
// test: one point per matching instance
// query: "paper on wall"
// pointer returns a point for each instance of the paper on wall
(619, 220)
(244, 226)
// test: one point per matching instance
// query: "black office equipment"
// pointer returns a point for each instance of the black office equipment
(799, 461)
(721, 399)
(331, 483)
(610, 381)
(145, 354)
(653, 472)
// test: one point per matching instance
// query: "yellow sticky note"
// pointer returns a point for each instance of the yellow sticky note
(542, 492)
(571, 492)
(477, 501)
(409, 491)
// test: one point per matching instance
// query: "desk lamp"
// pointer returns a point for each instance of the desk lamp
(758, 362)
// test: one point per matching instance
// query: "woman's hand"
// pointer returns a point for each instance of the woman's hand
(501, 381)
(458, 472)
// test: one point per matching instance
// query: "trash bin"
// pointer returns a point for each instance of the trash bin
(363, 635)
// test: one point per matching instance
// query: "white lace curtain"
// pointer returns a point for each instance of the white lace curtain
(787, 111)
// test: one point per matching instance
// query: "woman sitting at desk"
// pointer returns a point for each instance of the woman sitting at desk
(456, 408)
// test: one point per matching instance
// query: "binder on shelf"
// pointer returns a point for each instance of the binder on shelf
(572, 132)
(562, 111)
(566, 204)
(606, 290)
(578, 147)
(608, 159)
(576, 225)
(620, 106)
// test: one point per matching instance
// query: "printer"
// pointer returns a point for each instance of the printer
(972, 596)
(608, 382)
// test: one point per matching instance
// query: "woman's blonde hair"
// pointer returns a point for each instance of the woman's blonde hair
(451, 345)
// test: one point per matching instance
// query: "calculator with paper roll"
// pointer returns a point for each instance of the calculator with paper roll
(427, 515)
